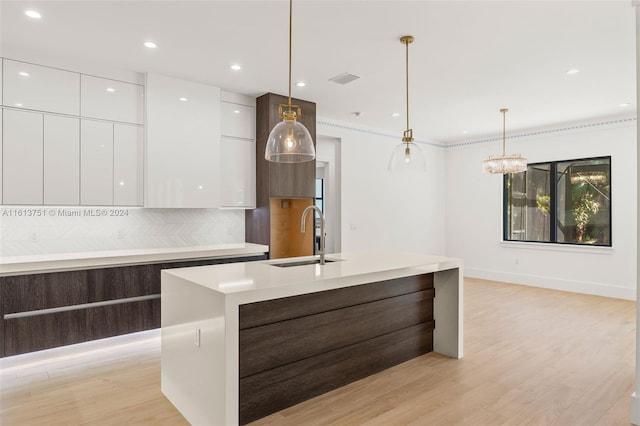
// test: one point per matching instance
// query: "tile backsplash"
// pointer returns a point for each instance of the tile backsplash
(47, 230)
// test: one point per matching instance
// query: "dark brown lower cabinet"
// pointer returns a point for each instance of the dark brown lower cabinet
(122, 318)
(292, 349)
(110, 298)
(34, 333)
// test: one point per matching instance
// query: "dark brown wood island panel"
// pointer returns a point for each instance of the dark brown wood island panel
(270, 311)
(309, 344)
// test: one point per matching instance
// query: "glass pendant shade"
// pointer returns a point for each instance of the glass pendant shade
(505, 164)
(407, 157)
(289, 142)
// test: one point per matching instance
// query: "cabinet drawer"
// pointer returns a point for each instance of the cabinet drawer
(34, 333)
(24, 293)
(123, 282)
(123, 318)
(40, 88)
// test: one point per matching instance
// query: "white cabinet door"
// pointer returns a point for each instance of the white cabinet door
(112, 100)
(183, 144)
(96, 163)
(238, 172)
(238, 120)
(127, 165)
(40, 88)
(22, 157)
(61, 160)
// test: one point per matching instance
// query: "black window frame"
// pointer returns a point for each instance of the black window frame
(553, 210)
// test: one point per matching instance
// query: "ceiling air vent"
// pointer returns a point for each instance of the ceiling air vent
(344, 78)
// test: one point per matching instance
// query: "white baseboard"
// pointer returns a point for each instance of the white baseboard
(584, 287)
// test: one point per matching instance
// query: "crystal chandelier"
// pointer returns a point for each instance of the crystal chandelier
(407, 156)
(504, 163)
(289, 141)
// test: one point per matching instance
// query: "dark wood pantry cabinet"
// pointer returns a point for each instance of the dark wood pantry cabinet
(283, 190)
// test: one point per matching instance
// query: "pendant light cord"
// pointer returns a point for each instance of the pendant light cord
(504, 131)
(290, 48)
(407, 80)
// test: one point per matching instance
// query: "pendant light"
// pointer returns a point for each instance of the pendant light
(407, 156)
(504, 164)
(290, 141)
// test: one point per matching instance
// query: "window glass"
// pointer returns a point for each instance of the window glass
(560, 202)
(584, 202)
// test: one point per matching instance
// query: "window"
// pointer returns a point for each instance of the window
(565, 202)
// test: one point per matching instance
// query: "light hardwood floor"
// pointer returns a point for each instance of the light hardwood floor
(532, 356)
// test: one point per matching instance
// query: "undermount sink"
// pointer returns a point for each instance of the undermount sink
(302, 263)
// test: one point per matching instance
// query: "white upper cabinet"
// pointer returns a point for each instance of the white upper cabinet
(238, 151)
(238, 120)
(128, 161)
(238, 172)
(96, 163)
(61, 160)
(22, 153)
(112, 100)
(40, 88)
(183, 143)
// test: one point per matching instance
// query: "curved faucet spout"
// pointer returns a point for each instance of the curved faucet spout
(303, 228)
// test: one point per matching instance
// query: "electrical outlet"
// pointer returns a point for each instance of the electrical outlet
(353, 227)
(34, 237)
(120, 234)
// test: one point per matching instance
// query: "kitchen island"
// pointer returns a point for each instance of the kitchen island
(242, 340)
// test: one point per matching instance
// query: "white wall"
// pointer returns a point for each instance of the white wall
(381, 210)
(328, 154)
(474, 212)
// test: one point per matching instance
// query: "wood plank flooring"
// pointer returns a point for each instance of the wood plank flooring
(532, 356)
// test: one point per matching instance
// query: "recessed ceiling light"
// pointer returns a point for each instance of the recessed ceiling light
(573, 71)
(33, 14)
(235, 67)
(183, 99)
(110, 89)
(121, 183)
(301, 84)
(18, 104)
(23, 74)
(464, 132)
(237, 111)
(625, 104)
(150, 44)
(395, 115)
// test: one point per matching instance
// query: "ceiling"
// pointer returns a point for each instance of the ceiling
(469, 58)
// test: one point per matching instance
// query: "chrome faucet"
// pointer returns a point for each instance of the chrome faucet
(302, 228)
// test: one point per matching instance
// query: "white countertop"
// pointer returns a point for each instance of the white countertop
(261, 280)
(18, 265)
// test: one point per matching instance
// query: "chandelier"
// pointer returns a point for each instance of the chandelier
(504, 164)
